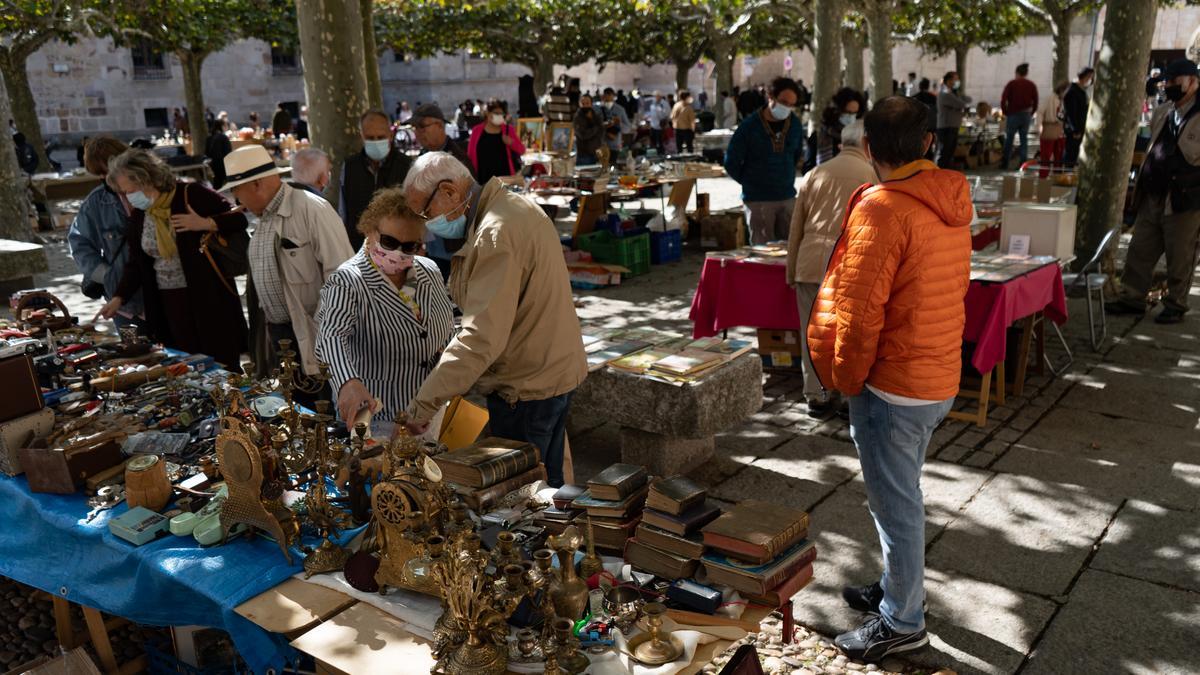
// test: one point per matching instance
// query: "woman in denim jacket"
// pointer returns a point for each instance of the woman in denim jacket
(97, 235)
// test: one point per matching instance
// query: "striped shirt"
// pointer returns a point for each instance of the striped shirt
(264, 266)
(368, 332)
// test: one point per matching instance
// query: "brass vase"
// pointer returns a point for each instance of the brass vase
(568, 593)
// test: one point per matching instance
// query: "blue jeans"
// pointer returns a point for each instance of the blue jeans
(891, 442)
(542, 423)
(1016, 123)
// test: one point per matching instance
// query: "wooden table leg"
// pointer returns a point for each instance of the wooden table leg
(985, 388)
(100, 642)
(1000, 383)
(1023, 354)
(62, 623)
(789, 623)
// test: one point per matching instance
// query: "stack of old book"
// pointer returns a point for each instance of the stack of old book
(560, 514)
(667, 542)
(760, 549)
(483, 473)
(613, 501)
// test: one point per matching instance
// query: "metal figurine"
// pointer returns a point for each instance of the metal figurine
(246, 473)
(328, 519)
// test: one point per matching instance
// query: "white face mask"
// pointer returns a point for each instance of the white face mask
(780, 111)
(497, 120)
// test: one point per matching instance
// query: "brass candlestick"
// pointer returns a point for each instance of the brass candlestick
(655, 647)
(590, 564)
(570, 659)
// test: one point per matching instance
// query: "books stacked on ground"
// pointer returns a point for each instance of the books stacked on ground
(760, 549)
(613, 503)
(601, 352)
(667, 543)
(483, 473)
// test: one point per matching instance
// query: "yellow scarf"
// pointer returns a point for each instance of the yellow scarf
(160, 213)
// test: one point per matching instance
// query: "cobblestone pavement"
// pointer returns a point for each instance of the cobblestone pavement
(1063, 536)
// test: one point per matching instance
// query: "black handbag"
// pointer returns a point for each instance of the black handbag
(227, 253)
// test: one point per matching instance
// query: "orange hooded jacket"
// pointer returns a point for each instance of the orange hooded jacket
(890, 310)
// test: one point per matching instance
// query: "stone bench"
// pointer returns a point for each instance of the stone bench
(19, 261)
(668, 428)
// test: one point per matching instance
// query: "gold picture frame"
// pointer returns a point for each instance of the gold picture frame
(560, 138)
(532, 132)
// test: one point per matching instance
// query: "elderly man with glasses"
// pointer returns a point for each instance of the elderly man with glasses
(520, 341)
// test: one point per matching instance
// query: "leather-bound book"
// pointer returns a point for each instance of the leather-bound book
(690, 546)
(685, 523)
(756, 531)
(674, 495)
(565, 495)
(483, 499)
(487, 462)
(758, 579)
(612, 537)
(659, 563)
(617, 482)
(611, 509)
(785, 591)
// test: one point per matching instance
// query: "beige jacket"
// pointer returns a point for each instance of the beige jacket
(683, 116)
(1050, 124)
(520, 336)
(321, 246)
(820, 208)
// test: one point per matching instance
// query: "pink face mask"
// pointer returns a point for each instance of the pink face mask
(390, 262)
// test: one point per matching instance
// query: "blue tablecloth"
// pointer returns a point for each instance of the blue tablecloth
(45, 543)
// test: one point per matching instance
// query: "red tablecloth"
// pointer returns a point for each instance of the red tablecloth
(754, 294)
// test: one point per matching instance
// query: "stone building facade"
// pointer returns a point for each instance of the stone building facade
(92, 86)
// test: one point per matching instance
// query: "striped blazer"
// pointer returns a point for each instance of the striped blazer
(368, 332)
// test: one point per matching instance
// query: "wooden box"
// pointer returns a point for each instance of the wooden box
(63, 471)
(19, 433)
(723, 231)
(780, 348)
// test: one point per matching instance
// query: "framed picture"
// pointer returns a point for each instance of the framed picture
(531, 131)
(560, 138)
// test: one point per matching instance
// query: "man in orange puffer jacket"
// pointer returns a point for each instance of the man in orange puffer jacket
(886, 330)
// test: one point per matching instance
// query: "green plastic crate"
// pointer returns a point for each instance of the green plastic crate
(632, 253)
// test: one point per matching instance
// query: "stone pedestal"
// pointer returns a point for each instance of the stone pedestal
(19, 261)
(668, 428)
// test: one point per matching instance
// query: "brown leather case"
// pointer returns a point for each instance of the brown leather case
(21, 394)
(61, 472)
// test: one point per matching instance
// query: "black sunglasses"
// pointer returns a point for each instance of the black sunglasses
(429, 202)
(389, 243)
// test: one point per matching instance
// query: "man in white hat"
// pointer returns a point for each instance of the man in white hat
(298, 242)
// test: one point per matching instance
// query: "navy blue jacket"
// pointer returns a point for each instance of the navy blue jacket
(751, 160)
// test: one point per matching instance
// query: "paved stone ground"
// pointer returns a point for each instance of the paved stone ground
(1063, 537)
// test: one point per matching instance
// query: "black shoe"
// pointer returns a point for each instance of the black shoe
(874, 640)
(822, 410)
(867, 598)
(864, 598)
(1124, 307)
(1169, 315)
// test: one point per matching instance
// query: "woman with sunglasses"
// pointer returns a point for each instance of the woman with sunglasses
(385, 315)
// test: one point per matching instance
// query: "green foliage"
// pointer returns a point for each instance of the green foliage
(26, 25)
(940, 27)
(203, 27)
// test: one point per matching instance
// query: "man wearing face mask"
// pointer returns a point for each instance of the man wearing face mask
(298, 242)
(762, 156)
(616, 121)
(951, 106)
(520, 341)
(379, 165)
(1075, 110)
(1167, 195)
(429, 127)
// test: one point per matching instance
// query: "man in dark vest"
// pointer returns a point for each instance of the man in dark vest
(1168, 201)
(380, 165)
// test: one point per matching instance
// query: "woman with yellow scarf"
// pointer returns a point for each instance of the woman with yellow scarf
(189, 305)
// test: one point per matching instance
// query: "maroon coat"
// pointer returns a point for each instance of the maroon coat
(210, 320)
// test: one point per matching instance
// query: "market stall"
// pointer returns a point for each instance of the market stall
(155, 486)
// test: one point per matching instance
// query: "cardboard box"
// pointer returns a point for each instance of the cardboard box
(780, 348)
(1051, 228)
(723, 231)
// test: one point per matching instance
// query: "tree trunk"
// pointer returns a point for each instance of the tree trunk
(879, 24)
(14, 202)
(723, 56)
(1060, 29)
(334, 79)
(23, 107)
(193, 95)
(683, 68)
(960, 65)
(852, 51)
(1112, 122)
(827, 48)
(371, 55)
(543, 74)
